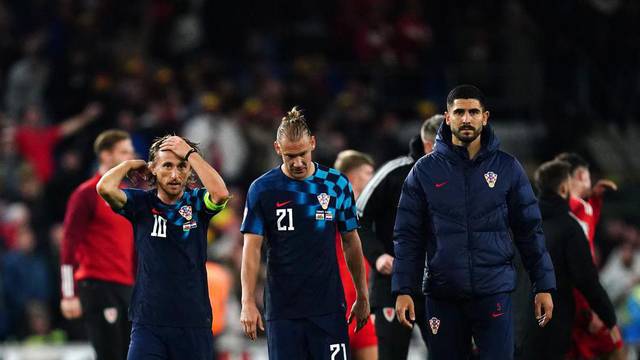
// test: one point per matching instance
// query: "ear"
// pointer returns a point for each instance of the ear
(486, 118)
(313, 142)
(446, 118)
(151, 167)
(276, 146)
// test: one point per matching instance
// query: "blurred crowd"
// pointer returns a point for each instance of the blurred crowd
(366, 72)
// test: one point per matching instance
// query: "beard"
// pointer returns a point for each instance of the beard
(467, 133)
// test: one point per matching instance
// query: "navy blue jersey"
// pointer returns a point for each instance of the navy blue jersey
(299, 220)
(171, 244)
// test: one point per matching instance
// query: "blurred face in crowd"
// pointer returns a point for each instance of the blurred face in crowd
(581, 182)
(171, 172)
(121, 151)
(296, 156)
(32, 116)
(359, 177)
(466, 117)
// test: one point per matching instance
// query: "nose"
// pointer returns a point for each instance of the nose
(466, 118)
(298, 162)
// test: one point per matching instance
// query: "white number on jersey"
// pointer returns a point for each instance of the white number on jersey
(159, 226)
(281, 214)
(335, 350)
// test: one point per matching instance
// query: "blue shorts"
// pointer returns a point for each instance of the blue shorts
(321, 337)
(164, 342)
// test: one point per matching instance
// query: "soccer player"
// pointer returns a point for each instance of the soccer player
(358, 168)
(569, 251)
(378, 205)
(97, 257)
(590, 336)
(458, 208)
(298, 207)
(170, 307)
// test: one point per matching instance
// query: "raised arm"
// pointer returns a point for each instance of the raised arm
(353, 255)
(77, 122)
(109, 185)
(210, 178)
(249, 315)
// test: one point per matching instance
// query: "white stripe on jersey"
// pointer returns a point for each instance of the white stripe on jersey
(377, 179)
(66, 273)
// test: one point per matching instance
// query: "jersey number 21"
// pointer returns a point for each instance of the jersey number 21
(285, 219)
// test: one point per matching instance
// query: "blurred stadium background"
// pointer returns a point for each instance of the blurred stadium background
(559, 76)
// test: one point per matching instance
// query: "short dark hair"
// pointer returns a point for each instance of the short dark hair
(550, 175)
(430, 127)
(465, 92)
(348, 160)
(108, 139)
(573, 159)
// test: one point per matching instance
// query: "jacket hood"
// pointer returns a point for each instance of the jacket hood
(552, 205)
(416, 148)
(444, 146)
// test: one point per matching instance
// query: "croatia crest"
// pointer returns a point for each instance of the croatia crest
(186, 212)
(324, 200)
(491, 178)
(434, 323)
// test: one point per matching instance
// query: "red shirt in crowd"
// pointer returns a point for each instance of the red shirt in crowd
(36, 145)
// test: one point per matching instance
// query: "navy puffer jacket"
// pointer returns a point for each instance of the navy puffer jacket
(464, 216)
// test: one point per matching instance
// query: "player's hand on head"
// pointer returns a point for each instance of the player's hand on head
(405, 310)
(603, 185)
(543, 307)
(71, 308)
(251, 320)
(177, 145)
(360, 312)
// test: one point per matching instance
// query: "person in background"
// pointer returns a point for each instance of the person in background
(358, 168)
(97, 256)
(377, 207)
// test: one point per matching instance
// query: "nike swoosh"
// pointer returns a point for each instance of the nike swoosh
(439, 185)
(281, 204)
(496, 314)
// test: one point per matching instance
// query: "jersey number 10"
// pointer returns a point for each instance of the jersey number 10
(159, 226)
(282, 214)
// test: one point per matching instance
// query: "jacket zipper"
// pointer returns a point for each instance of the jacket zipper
(466, 203)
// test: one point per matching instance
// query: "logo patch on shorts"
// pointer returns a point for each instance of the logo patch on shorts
(389, 313)
(111, 315)
(434, 323)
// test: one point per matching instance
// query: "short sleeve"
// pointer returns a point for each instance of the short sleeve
(135, 201)
(253, 219)
(347, 211)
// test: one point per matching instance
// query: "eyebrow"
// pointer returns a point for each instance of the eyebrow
(295, 154)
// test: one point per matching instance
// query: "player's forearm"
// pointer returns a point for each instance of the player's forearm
(109, 185)
(355, 261)
(249, 271)
(210, 178)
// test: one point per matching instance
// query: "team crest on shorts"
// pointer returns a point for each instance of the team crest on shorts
(111, 315)
(186, 212)
(434, 323)
(491, 178)
(324, 200)
(389, 313)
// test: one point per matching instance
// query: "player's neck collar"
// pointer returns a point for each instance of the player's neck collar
(315, 169)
